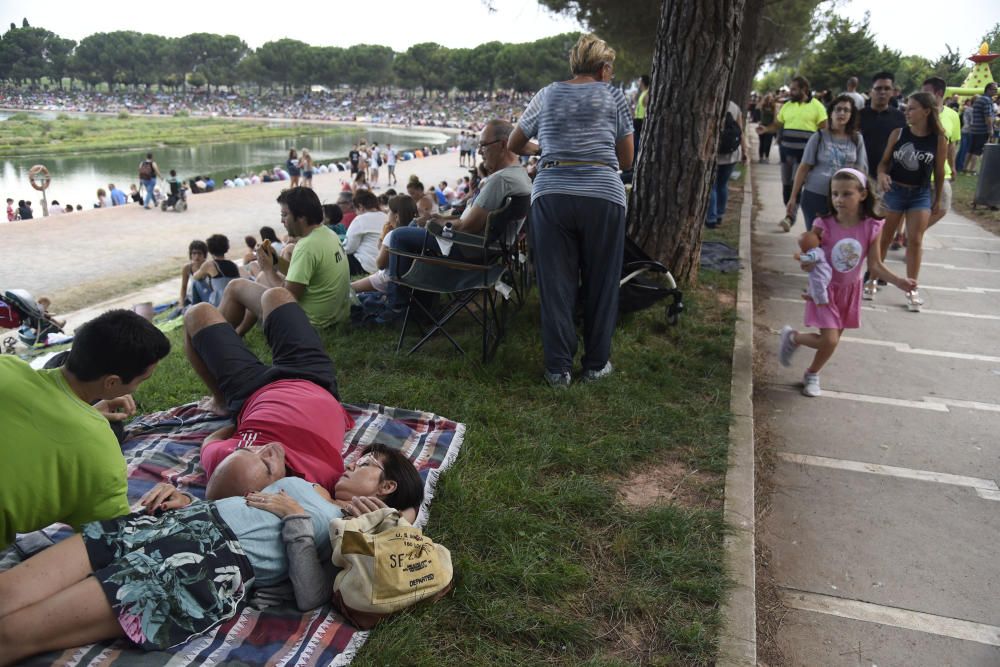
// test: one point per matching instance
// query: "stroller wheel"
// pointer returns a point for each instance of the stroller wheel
(181, 206)
(163, 206)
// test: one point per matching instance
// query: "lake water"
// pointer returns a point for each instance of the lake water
(75, 179)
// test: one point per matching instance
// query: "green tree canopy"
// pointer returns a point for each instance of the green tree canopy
(847, 49)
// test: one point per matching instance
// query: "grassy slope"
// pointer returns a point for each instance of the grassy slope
(552, 566)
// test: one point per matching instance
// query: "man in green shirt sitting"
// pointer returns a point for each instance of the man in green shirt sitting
(61, 460)
(317, 275)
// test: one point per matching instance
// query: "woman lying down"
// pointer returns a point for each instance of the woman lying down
(180, 568)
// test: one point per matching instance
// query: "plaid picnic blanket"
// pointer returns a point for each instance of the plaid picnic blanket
(164, 447)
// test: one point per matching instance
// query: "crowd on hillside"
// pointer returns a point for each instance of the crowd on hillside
(390, 107)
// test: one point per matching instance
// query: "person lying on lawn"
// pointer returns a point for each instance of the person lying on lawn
(178, 569)
(288, 419)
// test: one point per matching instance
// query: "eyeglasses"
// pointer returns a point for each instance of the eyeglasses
(369, 460)
(488, 143)
(882, 89)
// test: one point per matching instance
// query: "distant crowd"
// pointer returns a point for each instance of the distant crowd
(432, 110)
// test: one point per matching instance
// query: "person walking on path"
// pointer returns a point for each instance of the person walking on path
(963, 148)
(641, 105)
(767, 111)
(981, 128)
(914, 154)
(578, 206)
(148, 173)
(878, 120)
(798, 119)
(848, 238)
(827, 152)
(732, 149)
(952, 126)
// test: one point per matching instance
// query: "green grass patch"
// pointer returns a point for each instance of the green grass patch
(552, 565)
(26, 135)
(963, 192)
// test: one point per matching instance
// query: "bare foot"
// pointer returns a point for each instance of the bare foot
(209, 404)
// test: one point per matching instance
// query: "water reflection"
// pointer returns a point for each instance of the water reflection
(75, 179)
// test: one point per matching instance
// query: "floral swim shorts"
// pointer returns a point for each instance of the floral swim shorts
(172, 577)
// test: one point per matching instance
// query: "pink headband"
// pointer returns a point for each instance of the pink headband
(855, 173)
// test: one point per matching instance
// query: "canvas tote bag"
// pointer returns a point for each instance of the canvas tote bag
(387, 565)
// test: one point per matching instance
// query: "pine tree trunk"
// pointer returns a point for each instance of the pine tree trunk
(747, 57)
(696, 44)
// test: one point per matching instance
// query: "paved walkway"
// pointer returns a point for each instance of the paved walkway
(80, 256)
(885, 508)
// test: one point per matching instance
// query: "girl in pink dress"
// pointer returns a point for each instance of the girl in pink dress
(847, 237)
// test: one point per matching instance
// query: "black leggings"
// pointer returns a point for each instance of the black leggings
(765, 145)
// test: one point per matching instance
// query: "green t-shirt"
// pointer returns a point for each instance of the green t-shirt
(952, 131)
(802, 115)
(61, 461)
(319, 263)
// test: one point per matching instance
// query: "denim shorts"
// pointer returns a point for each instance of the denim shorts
(899, 198)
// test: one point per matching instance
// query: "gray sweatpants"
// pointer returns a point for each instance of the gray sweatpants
(578, 243)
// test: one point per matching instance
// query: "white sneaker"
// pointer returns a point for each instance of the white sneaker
(788, 346)
(591, 375)
(913, 301)
(786, 223)
(810, 384)
(871, 288)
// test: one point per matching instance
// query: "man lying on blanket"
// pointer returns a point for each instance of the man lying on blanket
(288, 418)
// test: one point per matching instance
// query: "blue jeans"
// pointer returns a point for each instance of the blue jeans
(813, 205)
(718, 195)
(407, 239)
(963, 151)
(201, 291)
(899, 199)
(149, 185)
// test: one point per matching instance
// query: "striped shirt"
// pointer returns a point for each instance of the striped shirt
(578, 122)
(982, 111)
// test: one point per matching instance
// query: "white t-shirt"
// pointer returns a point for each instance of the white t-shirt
(363, 236)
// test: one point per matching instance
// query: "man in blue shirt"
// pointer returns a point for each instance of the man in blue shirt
(118, 198)
(981, 128)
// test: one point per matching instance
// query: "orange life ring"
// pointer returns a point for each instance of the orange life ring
(40, 173)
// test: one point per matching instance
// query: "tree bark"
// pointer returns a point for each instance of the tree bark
(696, 44)
(748, 57)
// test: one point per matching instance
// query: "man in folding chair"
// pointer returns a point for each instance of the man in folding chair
(288, 420)
(507, 177)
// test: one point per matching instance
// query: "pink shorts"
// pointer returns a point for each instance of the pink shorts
(843, 311)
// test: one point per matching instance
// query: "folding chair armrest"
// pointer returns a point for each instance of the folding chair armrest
(436, 230)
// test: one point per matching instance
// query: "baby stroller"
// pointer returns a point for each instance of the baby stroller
(645, 282)
(18, 310)
(177, 199)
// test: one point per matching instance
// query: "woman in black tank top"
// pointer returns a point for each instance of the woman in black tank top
(913, 155)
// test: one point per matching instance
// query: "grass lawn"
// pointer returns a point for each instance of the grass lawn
(963, 193)
(563, 553)
(27, 135)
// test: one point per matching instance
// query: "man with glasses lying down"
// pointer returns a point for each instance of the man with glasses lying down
(287, 416)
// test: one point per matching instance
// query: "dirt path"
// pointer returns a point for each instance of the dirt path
(87, 257)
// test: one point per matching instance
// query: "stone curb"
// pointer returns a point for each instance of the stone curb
(738, 634)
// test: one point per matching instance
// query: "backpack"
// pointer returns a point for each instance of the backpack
(729, 137)
(146, 170)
